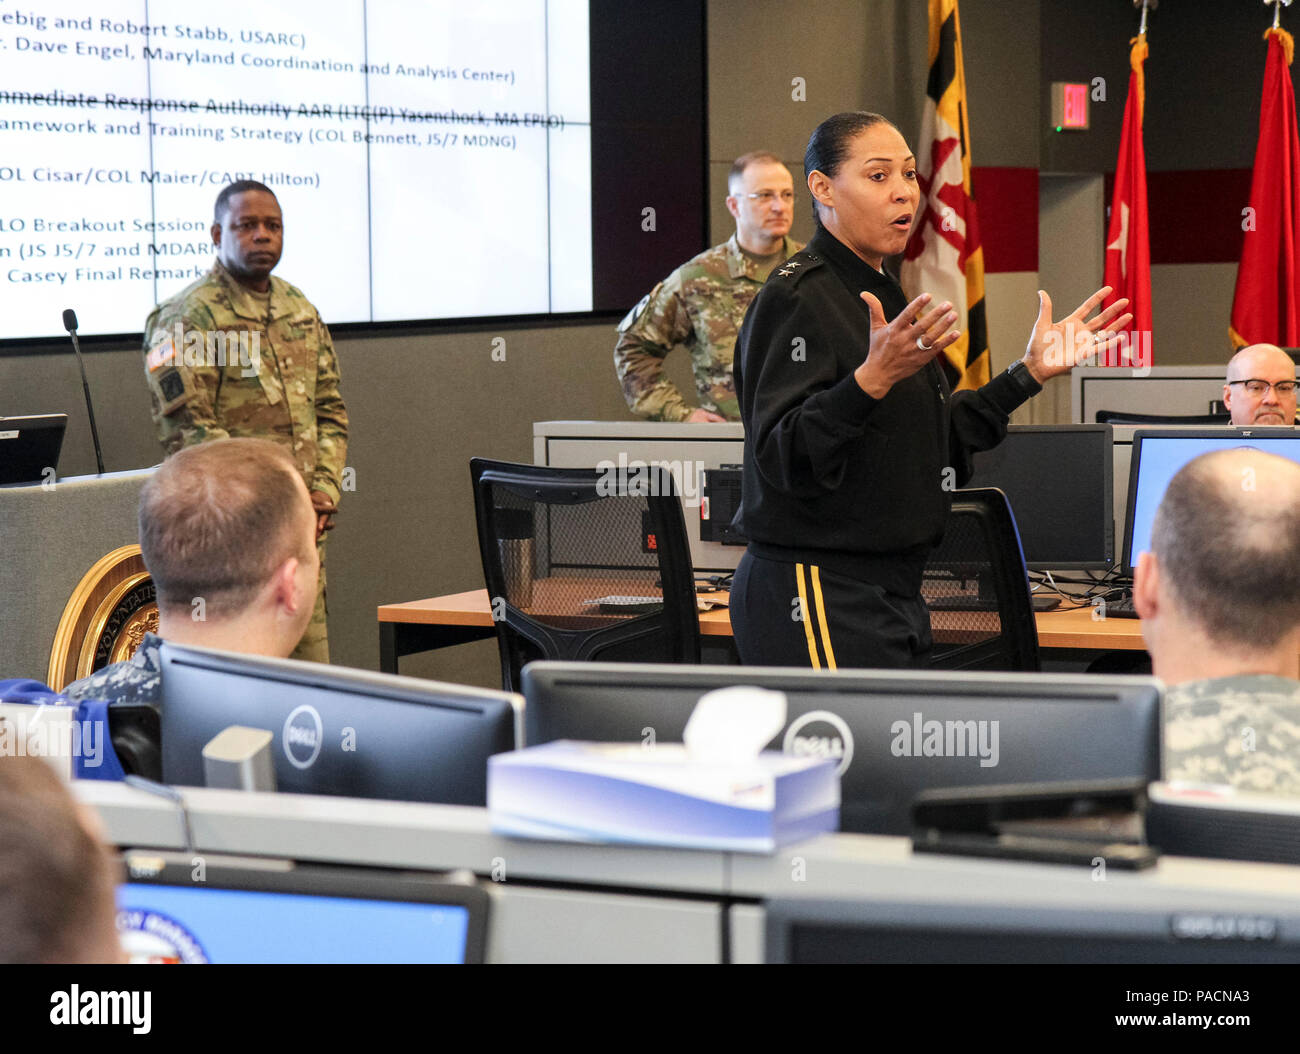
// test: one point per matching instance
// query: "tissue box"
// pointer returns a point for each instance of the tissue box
(625, 793)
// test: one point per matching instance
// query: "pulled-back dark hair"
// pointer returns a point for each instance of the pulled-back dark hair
(829, 144)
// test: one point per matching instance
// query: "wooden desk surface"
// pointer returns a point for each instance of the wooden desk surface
(1074, 628)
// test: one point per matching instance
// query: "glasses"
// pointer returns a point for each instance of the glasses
(1258, 387)
(766, 197)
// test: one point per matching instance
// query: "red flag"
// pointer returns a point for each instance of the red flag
(1266, 305)
(1128, 249)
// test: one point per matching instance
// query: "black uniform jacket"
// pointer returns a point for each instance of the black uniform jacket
(833, 476)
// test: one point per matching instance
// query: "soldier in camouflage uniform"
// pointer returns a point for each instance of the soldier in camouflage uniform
(1242, 731)
(1219, 597)
(702, 303)
(241, 353)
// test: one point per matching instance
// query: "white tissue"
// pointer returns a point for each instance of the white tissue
(734, 724)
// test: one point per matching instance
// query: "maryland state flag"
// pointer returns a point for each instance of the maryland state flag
(1266, 306)
(944, 257)
(1128, 248)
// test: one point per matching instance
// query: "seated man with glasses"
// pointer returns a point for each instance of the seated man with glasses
(1260, 389)
(702, 303)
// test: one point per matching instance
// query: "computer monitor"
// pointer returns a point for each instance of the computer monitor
(29, 447)
(1058, 479)
(894, 733)
(280, 912)
(336, 731)
(1137, 928)
(1157, 457)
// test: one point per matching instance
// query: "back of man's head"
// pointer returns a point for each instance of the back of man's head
(56, 880)
(1227, 541)
(216, 522)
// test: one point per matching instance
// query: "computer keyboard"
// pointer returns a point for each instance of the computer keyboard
(975, 603)
(626, 605)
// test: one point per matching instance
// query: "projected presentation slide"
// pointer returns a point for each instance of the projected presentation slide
(432, 157)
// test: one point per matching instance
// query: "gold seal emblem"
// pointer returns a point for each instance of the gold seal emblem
(106, 618)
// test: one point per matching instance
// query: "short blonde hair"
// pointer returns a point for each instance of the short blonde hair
(217, 519)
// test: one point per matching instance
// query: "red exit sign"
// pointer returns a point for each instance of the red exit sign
(1069, 106)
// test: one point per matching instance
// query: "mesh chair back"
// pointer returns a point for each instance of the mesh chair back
(975, 584)
(585, 565)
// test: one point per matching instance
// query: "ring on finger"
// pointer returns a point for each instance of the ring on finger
(920, 343)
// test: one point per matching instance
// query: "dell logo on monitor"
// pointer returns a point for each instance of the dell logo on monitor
(303, 735)
(820, 734)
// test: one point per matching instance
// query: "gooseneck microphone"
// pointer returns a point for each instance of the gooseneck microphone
(70, 324)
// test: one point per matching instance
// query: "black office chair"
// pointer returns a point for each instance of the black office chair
(1123, 417)
(975, 585)
(582, 564)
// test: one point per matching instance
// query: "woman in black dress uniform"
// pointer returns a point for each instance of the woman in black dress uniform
(853, 439)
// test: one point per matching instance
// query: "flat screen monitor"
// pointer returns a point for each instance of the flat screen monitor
(1157, 457)
(894, 733)
(280, 912)
(336, 731)
(29, 447)
(1058, 479)
(1005, 930)
(433, 160)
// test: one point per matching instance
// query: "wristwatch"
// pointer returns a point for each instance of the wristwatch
(1019, 373)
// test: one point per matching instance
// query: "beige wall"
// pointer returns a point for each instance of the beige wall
(1190, 307)
(851, 55)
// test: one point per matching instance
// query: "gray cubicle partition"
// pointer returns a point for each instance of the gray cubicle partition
(564, 902)
(1182, 390)
(50, 537)
(685, 448)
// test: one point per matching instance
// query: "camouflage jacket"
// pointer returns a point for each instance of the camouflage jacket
(700, 305)
(137, 680)
(1241, 731)
(222, 360)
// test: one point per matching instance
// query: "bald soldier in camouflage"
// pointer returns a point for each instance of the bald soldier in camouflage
(1219, 597)
(702, 303)
(240, 353)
